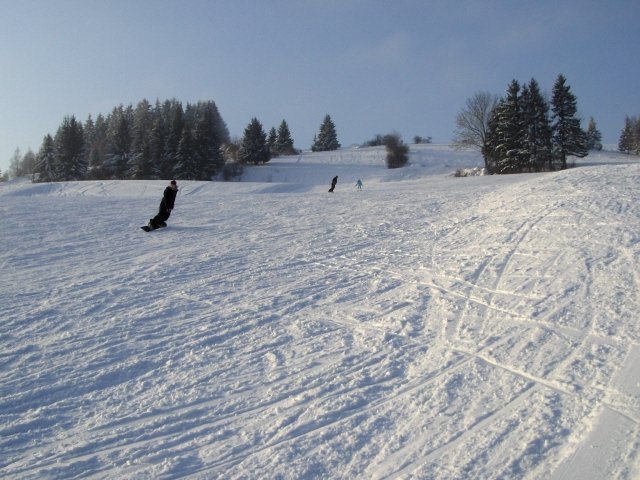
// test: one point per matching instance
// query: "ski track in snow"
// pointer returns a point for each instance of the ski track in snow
(426, 327)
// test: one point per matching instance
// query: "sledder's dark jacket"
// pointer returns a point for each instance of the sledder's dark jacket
(168, 198)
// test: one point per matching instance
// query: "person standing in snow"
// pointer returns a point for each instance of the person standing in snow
(359, 184)
(166, 205)
(333, 183)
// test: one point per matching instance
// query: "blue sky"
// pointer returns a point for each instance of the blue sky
(374, 66)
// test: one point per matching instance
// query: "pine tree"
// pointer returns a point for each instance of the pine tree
(207, 142)
(594, 137)
(508, 143)
(175, 127)
(272, 142)
(140, 165)
(629, 141)
(46, 160)
(492, 140)
(625, 142)
(187, 166)
(28, 164)
(568, 137)
(536, 128)
(95, 145)
(118, 144)
(253, 148)
(157, 142)
(327, 139)
(70, 161)
(284, 144)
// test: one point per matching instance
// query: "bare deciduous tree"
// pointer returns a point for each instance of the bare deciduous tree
(471, 122)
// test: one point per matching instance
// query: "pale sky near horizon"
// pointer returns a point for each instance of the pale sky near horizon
(375, 66)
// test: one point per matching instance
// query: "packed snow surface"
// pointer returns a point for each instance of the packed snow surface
(426, 327)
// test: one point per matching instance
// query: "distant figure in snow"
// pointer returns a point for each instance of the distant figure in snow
(333, 183)
(166, 205)
(359, 184)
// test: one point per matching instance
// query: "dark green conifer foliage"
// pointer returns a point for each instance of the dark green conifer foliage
(625, 142)
(208, 138)
(46, 160)
(508, 133)
(118, 144)
(187, 166)
(536, 129)
(568, 137)
(272, 142)
(284, 142)
(140, 164)
(594, 137)
(327, 139)
(254, 148)
(70, 161)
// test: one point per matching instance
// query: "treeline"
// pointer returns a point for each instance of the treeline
(161, 141)
(165, 140)
(629, 141)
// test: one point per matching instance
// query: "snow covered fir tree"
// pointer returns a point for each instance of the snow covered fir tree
(327, 138)
(629, 141)
(568, 137)
(254, 149)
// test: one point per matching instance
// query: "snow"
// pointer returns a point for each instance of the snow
(425, 327)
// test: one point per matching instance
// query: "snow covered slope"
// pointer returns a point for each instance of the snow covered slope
(426, 327)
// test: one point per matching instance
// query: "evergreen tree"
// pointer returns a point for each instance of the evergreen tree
(219, 127)
(187, 166)
(69, 146)
(626, 136)
(272, 142)
(140, 165)
(29, 164)
(594, 137)
(284, 142)
(568, 137)
(492, 141)
(46, 160)
(118, 144)
(207, 141)
(158, 140)
(327, 139)
(509, 153)
(95, 145)
(253, 148)
(174, 135)
(89, 132)
(536, 128)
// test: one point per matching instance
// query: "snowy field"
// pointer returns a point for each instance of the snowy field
(426, 327)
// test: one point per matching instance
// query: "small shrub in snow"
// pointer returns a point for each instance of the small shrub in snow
(470, 172)
(397, 151)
